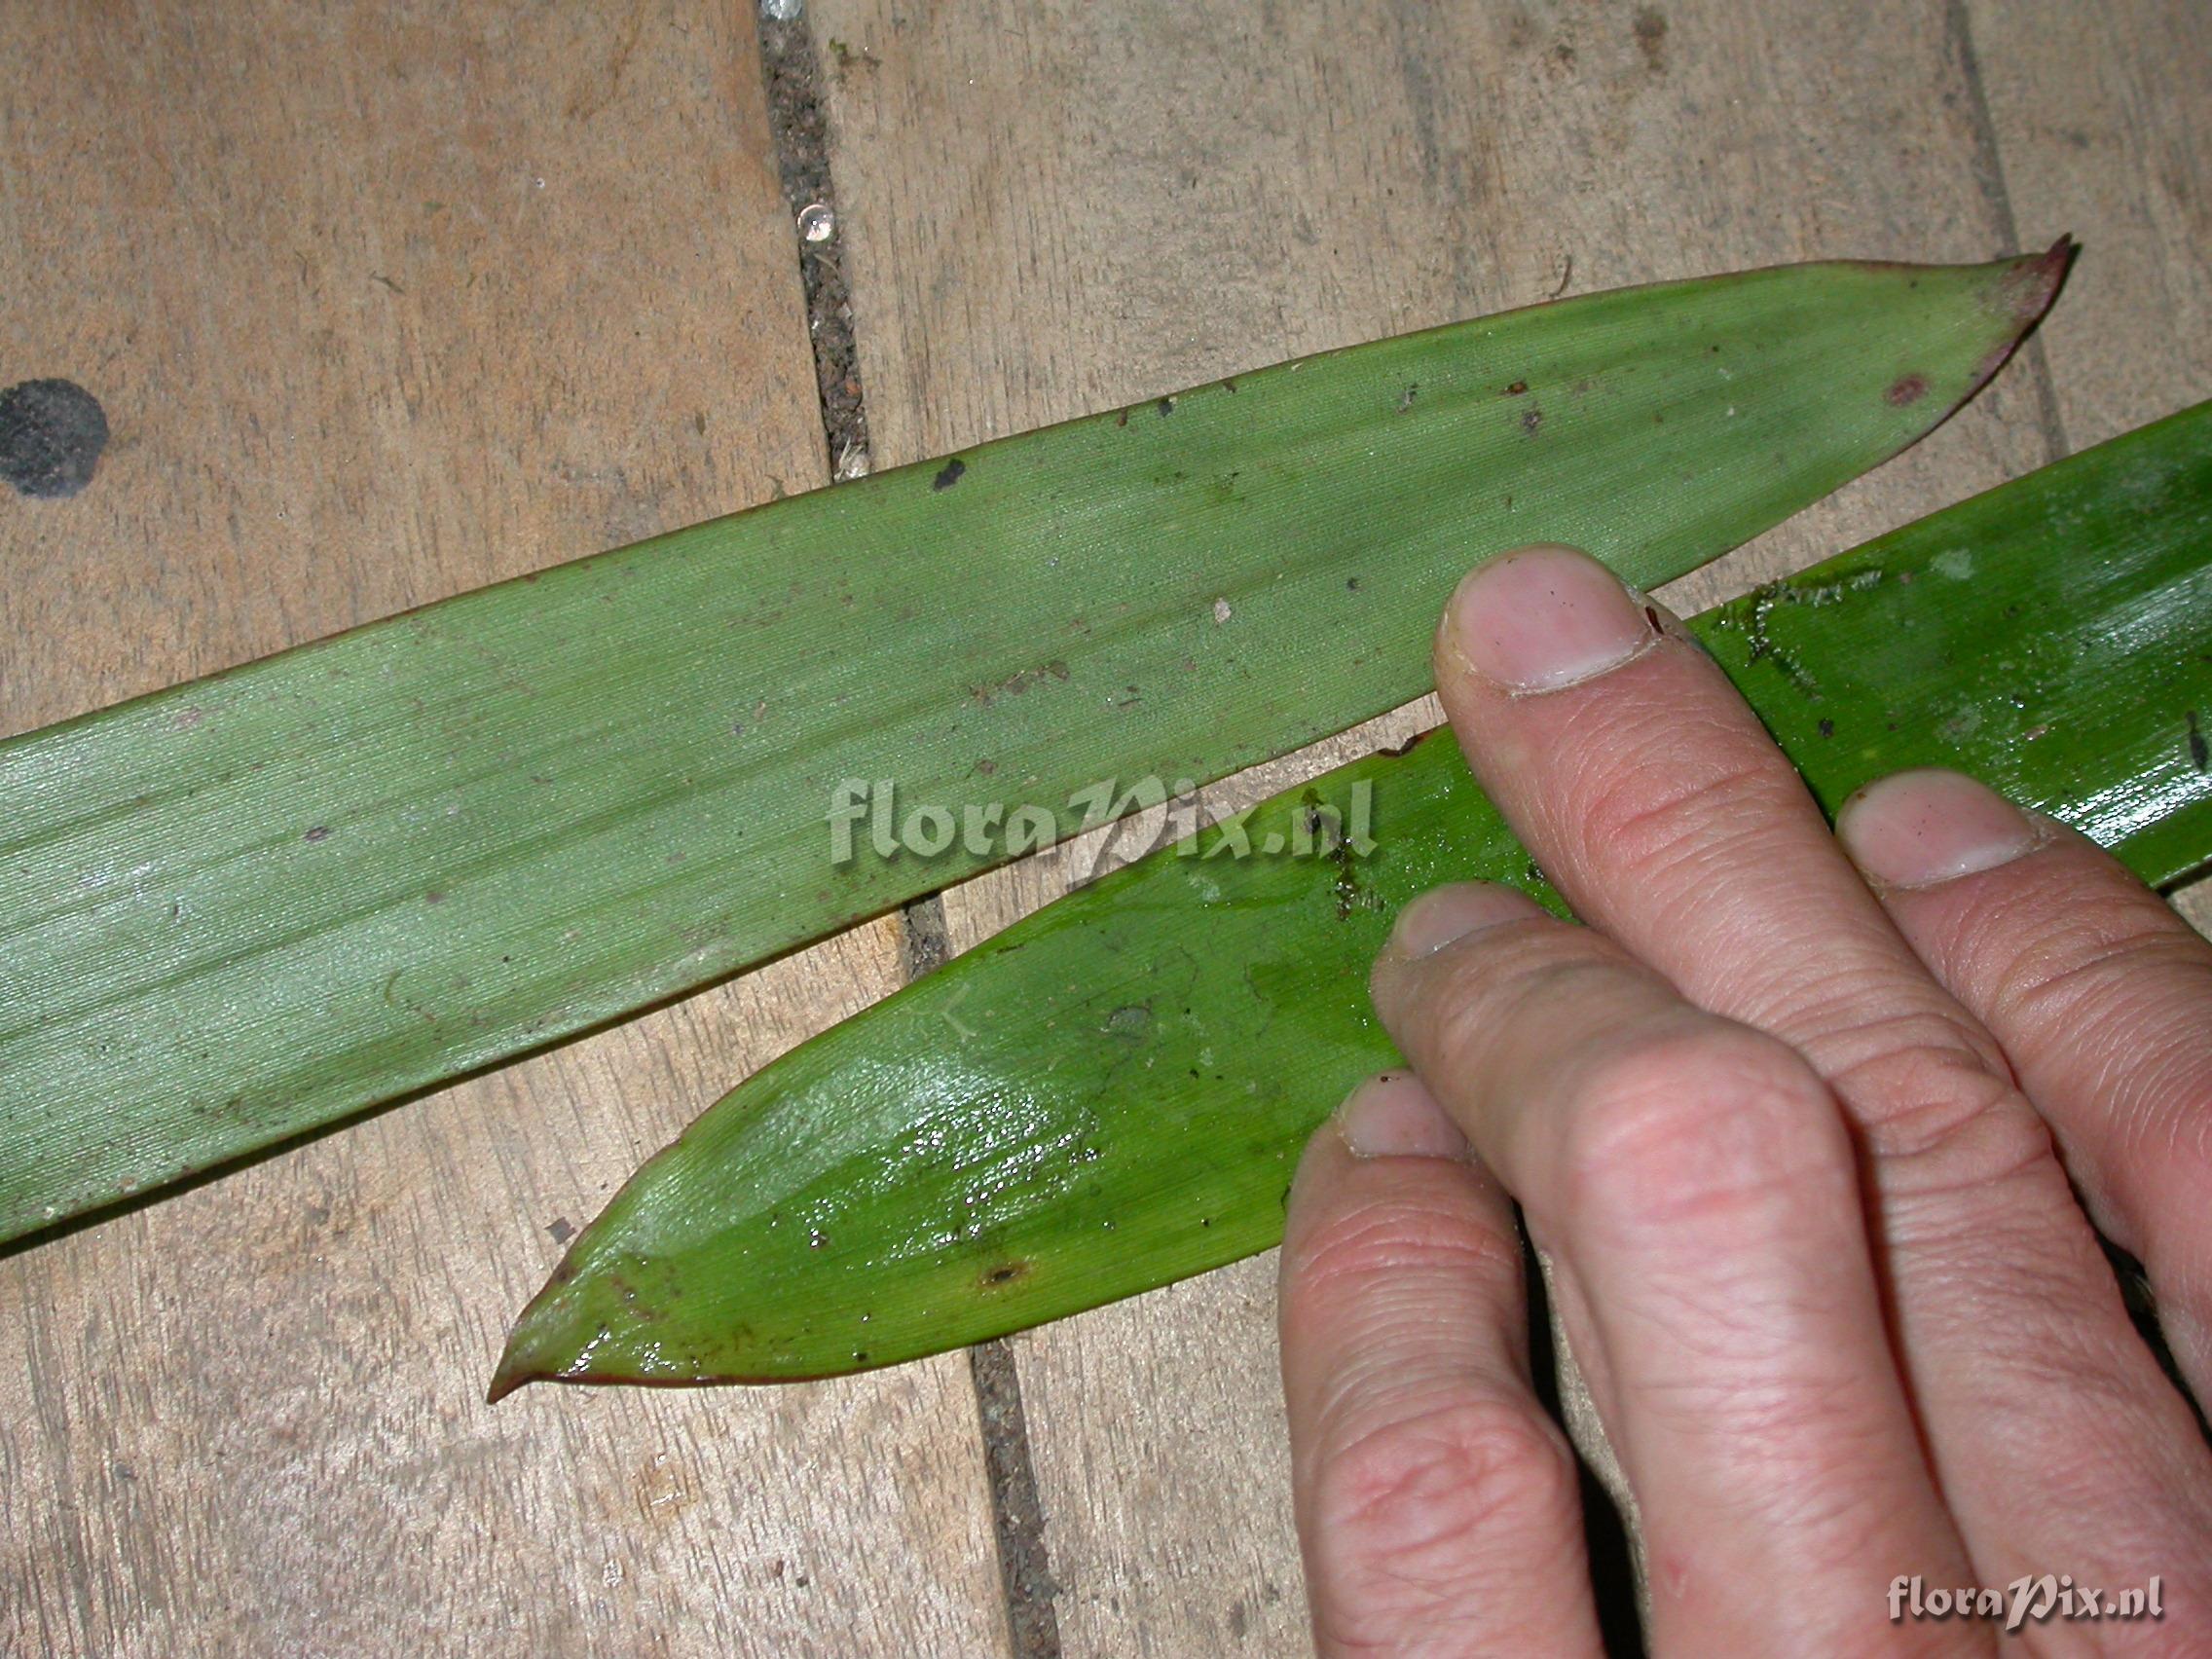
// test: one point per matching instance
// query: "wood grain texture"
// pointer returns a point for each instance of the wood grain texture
(382, 303)
(2101, 118)
(1054, 207)
(385, 302)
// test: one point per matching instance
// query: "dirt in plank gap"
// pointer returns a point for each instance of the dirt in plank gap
(793, 75)
(792, 72)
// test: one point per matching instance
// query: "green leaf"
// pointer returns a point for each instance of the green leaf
(1112, 1094)
(248, 907)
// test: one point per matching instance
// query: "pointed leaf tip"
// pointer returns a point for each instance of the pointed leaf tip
(2035, 278)
(527, 1357)
(518, 1366)
(2027, 286)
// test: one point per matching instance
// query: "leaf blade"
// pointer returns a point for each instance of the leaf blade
(244, 908)
(1108, 1116)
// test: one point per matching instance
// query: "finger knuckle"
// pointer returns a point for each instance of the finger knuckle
(2122, 997)
(1935, 1115)
(2064, 942)
(1878, 1045)
(1476, 1000)
(1976, 1186)
(1411, 1231)
(1649, 817)
(1406, 1500)
(2058, 982)
(1700, 1122)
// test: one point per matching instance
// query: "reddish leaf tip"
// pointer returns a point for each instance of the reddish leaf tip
(507, 1380)
(522, 1360)
(2026, 287)
(2034, 281)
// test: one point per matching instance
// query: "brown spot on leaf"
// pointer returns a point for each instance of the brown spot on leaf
(1530, 422)
(1517, 389)
(1015, 683)
(1907, 390)
(949, 475)
(1003, 1274)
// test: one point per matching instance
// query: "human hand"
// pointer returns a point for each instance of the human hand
(1793, 1119)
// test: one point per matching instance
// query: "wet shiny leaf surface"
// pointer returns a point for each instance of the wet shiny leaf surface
(1112, 1094)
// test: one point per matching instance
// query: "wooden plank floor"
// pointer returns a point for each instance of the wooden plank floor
(382, 303)
(1055, 206)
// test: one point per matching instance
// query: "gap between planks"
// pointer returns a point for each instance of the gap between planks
(791, 70)
(1996, 197)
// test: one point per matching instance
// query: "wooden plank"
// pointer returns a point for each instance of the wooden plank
(382, 302)
(2101, 118)
(1051, 207)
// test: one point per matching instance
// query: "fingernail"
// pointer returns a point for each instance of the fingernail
(1394, 1116)
(1916, 829)
(1541, 619)
(1446, 913)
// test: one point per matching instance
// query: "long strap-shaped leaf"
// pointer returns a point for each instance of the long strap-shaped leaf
(1111, 1094)
(247, 906)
